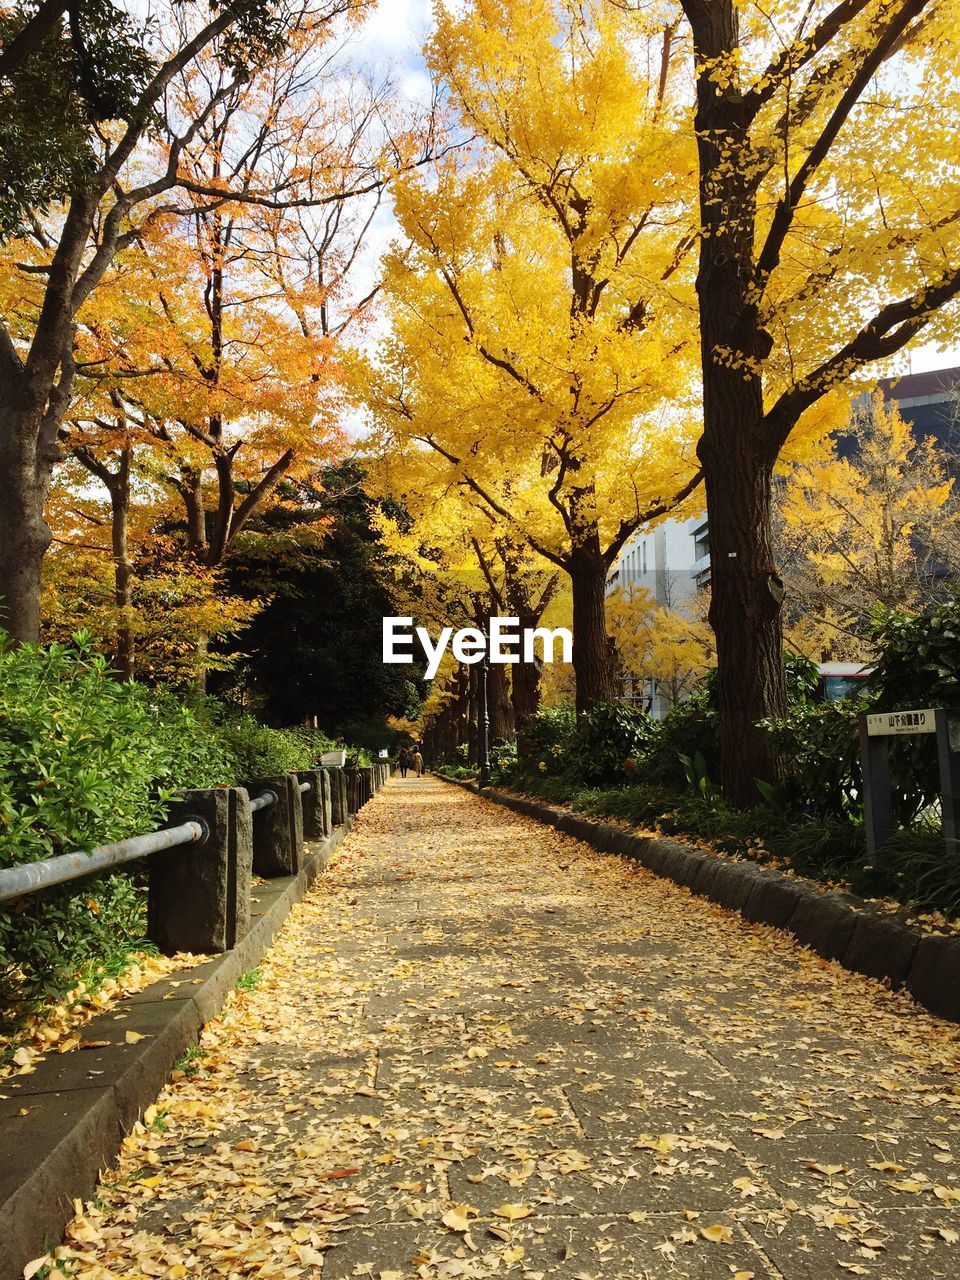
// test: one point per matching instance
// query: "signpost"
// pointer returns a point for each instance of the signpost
(876, 730)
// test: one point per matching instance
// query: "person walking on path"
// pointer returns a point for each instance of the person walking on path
(403, 761)
(418, 762)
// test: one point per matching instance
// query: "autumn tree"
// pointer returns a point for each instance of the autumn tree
(252, 301)
(659, 643)
(457, 564)
(875, 526)
(117, 569)
(829, 239)
(541, 344)
(80, 214)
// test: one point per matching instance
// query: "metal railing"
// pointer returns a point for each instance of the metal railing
(263, 801)
(19, 882)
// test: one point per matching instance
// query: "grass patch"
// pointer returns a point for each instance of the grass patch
(249, 980)
(191, 1062)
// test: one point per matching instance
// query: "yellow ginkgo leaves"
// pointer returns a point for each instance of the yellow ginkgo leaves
(513, 1212)
(457, 1218)
(717, 1233)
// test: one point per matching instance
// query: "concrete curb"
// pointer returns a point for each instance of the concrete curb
(836, 926)
(63, 1123)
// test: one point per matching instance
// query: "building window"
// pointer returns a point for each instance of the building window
(701, 541)
(643, 553)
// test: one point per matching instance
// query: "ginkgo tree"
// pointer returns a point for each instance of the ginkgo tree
(82, 212)
(542, 342)
(829, 238)
(875, 526)
(458, 564)
(659, 644)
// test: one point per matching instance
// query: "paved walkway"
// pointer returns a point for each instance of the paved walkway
(482, 1049)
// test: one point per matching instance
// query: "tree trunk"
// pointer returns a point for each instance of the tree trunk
(524, 676)
(460, 709)
(524, 692)
(473, 716)
(745, 604)
(24, 535)
(498, 701)
(593, 653)
(445, 733)
(122, 569)
(737, 456)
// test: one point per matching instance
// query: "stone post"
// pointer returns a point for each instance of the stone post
(326, 813)
(199, 894)
(338, 808)
(312, 804)
(278, 830)
(353, 790)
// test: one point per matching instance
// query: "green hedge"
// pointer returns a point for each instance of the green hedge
(85, 760)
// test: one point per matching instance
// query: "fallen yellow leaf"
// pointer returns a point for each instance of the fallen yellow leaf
(513, 1212)
(457, 1218)
(718, 1233)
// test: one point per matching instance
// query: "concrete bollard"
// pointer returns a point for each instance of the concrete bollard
(312, 803)
(278, 830)
(199, 894)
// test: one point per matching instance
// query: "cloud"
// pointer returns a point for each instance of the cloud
(394, 33)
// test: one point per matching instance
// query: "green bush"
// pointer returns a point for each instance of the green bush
(457, 771)
(918, 665)
(819, 743)
(79, 753)
(85, 760)
(542, 744)
(257, 751)
(503, 761)
(605, 737)
(689, 731)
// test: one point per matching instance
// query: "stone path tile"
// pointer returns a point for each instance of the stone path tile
(481, 1049)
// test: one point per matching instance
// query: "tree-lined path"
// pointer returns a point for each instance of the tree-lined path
(479, 1048)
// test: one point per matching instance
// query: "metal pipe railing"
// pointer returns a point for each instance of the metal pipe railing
(15, 882)
(263, 801)
(18, 882)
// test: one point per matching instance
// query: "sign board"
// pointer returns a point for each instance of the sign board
(891, 723)
(875, 733)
